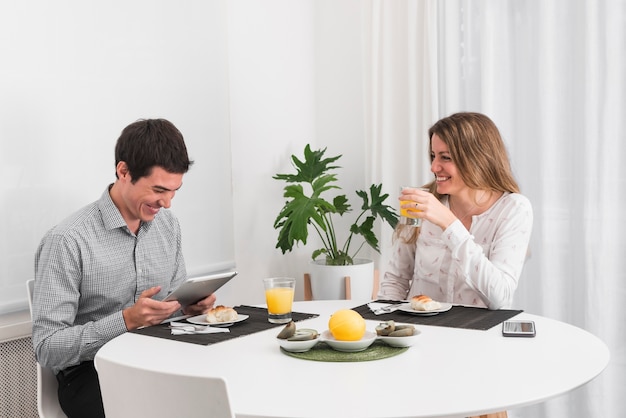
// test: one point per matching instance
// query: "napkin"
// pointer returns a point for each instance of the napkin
(382, 308)
(182, 329)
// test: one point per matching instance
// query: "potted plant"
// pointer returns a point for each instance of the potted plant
(307, 206)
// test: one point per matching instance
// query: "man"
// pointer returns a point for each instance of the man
(106, 268)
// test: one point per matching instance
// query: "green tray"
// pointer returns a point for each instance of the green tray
(323, 352)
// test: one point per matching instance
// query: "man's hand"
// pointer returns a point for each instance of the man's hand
(201, 306)
(147, 311)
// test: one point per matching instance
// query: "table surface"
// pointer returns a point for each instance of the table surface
(450, 372)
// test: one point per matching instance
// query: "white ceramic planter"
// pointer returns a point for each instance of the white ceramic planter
(328, 282)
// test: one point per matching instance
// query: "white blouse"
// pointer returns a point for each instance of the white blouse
(479, 267)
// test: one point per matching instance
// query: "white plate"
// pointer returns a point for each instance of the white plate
(349, 346)
(406, 307)
(201, 320)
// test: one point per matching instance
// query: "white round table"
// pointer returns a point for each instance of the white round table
(449, 373)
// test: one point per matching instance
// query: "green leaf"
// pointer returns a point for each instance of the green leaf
(293, 220)
(366, 230)
(318, 252)
(342, 259)
(341, 204)
(311, 168)
(378, 207)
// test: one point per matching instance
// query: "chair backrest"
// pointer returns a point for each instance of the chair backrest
(132, 392)
(47, 385)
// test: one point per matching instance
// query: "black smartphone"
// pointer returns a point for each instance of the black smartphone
(518, 329)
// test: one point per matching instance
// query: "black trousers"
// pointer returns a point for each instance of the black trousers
(79, 391)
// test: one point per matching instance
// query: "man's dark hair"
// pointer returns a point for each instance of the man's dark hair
(148, 143)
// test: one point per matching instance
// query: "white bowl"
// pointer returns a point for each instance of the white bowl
(349, 346)
(400, 341)
(297, 346)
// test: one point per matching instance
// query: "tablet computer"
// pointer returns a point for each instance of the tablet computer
(197, 288)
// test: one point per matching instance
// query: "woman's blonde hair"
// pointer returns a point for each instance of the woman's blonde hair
(477, 149)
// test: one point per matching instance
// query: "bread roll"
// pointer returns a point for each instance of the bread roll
(424, 303)
(221, 313)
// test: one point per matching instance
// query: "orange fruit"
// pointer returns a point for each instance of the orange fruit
(346, 325)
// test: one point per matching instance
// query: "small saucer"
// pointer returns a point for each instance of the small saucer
(297, 346)
(349, 346)
(400, 341)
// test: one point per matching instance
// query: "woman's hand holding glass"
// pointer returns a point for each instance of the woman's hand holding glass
(417, 203)
(409, 206)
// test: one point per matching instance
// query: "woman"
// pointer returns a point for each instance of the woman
(473, 240)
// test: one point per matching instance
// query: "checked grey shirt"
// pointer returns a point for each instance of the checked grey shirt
(88, 269)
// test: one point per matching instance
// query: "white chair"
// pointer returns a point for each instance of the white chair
(47, 385)
(135, 392)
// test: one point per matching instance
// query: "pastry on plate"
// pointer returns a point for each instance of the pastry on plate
(424, 303)
(221, 313)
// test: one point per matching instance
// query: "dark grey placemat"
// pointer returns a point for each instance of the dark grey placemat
(458, 317)
(323, 352)
(257, 321)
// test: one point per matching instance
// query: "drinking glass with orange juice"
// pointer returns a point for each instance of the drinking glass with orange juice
(279, 293)
(407, 214)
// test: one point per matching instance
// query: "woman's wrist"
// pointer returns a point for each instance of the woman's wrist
(447, 221)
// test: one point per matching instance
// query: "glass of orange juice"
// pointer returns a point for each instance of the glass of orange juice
(407, 214)
(279, 293)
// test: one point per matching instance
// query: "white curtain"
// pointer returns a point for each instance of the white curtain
(552, 75)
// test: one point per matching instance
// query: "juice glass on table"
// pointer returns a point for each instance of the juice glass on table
(279, 292)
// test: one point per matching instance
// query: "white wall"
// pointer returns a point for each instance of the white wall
(73, 74)
(294, 79)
